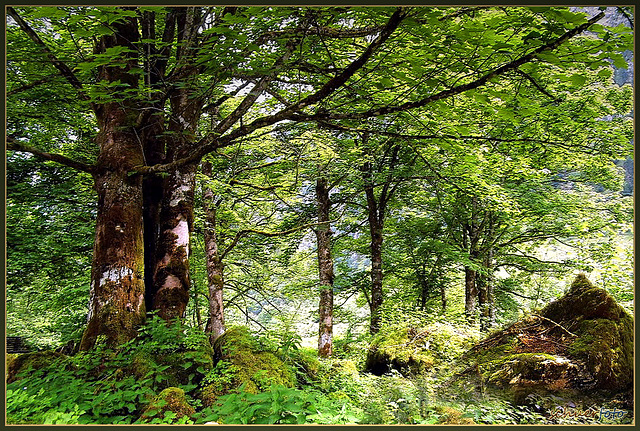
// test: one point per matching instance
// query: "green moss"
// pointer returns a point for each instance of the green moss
(583, 301)
(306, 363)
(529, 366)
(589, 335)
(401, 348)
(169, 400)
(606, 347)
(450, 415)
(242, 362)
(35, 361)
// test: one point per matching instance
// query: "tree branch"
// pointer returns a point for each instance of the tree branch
(245, 232)
(63, 160)
(447, 136)
(28, 86)
(64, 70)
(538, 86)
(212, 141)
(460, 88)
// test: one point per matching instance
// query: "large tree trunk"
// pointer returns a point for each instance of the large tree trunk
(171, 281)
(152, 186)
(116, 304)
(117, 276)
(215, 266)
(325, 270)
(171, 272)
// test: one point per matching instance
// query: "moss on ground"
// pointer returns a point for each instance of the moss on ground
(401, 348)
(240, 361)
(169, 400)
(451, 416)
(36, 360)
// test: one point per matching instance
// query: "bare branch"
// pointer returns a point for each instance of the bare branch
(28, 86)
(63, 160)
(245, 232)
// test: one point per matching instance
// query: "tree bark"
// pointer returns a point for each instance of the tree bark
(375, 217)
(116, 304)
(171, 281)
(487, 301)
(215, 266)
(325, 270)
(470, 275)
(171, 272)
(152, 186)
(486, 294)
(470, 293)
(117, 276)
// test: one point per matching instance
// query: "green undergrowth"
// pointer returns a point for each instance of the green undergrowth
(107, 386)
(173, 375)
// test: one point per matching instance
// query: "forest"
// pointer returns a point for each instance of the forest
(319, 215)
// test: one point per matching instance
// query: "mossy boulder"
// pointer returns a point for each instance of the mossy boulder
(604, 333)
(36, 361)
(169, 400)
(401, 348)
(242, 362)
(579, 343)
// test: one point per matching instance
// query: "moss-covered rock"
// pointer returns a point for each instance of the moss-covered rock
(35, 361)
(604, 333)
(451, 416)
(169, 400)
(241, 361)
(401, 348)
(581, 342)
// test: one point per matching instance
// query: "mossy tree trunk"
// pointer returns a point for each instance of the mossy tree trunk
(325, 269)
(117, 289)
(171, 272)
(171, 281)
(215, 265)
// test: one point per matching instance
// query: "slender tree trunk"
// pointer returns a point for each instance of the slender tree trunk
(116, 304)
(488, 297)
(443, 297)
(375, 230)
(325, 270)
(481, 283)
(215, 266)
(470, 293)
(470, 275)
(424, 287)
